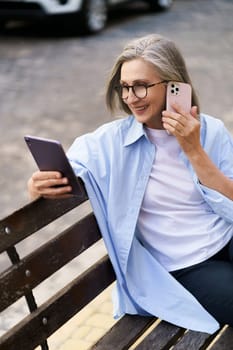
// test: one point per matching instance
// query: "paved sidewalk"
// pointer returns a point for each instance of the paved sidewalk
(85, 328)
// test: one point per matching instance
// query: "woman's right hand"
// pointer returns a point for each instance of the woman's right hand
(44, 184)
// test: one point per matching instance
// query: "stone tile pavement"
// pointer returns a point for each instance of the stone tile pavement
(85, 328)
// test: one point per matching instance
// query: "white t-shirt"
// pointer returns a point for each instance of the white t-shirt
(175, 223)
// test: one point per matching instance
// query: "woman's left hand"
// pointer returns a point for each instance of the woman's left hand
(184, 126)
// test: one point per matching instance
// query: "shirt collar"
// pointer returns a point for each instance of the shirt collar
(133, 131)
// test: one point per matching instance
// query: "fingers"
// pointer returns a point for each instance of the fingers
(178, 109)
(193, 112)
(48, 184)
(185, 127)
(55, 192)
(46, 175)
(180, 122)
(174, 122)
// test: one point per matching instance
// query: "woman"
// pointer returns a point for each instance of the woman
(161, 187)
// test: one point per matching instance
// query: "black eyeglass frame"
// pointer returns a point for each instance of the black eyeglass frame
(120, 87)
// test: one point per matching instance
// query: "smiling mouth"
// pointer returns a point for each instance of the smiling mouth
(139, 109)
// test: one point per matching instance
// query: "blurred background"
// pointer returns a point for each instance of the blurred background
(52, 81)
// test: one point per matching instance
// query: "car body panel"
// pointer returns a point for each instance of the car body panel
(93, 14)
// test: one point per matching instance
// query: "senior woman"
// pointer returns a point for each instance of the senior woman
(161, 187)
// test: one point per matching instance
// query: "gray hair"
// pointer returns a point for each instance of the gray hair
(158, 50)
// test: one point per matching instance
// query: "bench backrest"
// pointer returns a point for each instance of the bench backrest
(26, 273)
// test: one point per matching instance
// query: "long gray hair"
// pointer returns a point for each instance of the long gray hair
(162, 53)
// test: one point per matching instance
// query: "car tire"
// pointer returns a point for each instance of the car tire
(93, 16)
(160, 5)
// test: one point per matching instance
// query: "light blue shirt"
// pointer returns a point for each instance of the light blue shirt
(115, 162)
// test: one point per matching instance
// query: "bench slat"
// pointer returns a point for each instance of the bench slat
(36, 328)
(162, 337)
(50, 316)
(38, 214)
(193, 340)
(19, 279)
(225, 341)
(124, 333)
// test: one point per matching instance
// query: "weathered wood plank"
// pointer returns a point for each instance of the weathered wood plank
(33, 217)
(21, 278)
(193, 340)
(124, 333)
(225, 341)
(162, 337)
(50, 316)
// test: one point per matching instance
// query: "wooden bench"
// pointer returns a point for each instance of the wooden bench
(20, 279)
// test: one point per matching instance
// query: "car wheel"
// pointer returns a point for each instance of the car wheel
(93, 16)
(160, 5)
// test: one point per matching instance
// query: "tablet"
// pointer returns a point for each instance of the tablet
(50, 156)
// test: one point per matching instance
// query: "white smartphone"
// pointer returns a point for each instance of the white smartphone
(180, 93)
(50, 156)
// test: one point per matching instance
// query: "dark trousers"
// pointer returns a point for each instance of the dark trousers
(211, 282)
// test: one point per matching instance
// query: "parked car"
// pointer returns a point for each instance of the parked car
(90, 15)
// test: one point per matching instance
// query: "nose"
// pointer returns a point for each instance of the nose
(131, 96)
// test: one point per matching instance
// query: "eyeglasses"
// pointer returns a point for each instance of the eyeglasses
(139, 90)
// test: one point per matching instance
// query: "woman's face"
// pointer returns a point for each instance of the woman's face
(146, 110)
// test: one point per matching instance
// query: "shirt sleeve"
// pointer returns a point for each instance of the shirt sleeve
(222, 154)
(219, 203)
